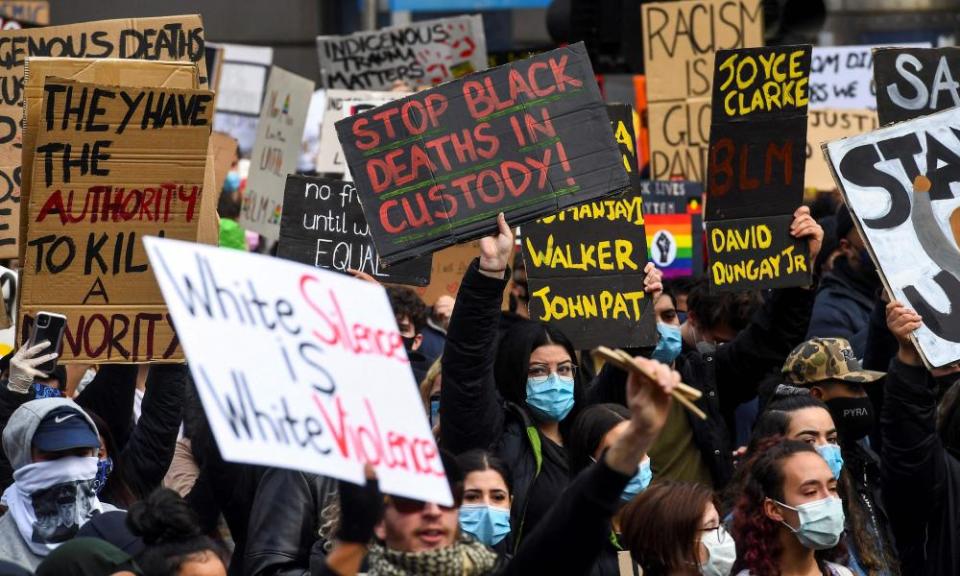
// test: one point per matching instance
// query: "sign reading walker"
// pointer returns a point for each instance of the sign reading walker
(913, 235)
(421, 54)
(276, 150)
(112, 164)
(323, 226)
(756, 168)
(313, 377)
(528, 139)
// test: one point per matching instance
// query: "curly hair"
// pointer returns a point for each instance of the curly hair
(712, 310)
(405, 302)
(757, 535)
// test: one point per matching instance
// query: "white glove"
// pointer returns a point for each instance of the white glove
(23, 367)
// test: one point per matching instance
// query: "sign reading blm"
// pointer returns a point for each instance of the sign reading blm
(529, 139)
(323, 226)
(912, 235)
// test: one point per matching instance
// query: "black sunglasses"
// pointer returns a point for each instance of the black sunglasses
(411, 506)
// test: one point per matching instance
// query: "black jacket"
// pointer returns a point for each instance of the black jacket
(729, 375)
(920, 476)
(285, 522)
(843, 306)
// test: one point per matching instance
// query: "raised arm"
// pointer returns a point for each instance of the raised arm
(471, 411)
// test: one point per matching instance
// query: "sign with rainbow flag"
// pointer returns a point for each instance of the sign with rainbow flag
(674, 226)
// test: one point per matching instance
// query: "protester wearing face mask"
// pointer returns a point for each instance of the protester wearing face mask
(790, 518)
(847, 293)
(411, 314)
(485, 512)
(52, 445)
(516, 397)
(595, 430)
(673, 528)
(430, 395)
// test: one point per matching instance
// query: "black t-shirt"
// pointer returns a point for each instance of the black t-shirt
(552, 481)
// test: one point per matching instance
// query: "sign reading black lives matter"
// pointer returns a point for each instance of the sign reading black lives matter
(913, 237)
(756, 166)
(528, 139)
(914, 82)
(323, 225)
(585, 264)
(421, 54)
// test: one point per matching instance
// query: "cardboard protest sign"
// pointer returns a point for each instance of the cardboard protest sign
(313, 377)
(912, 236)
(421, 53)
(24, 13)
(323, 226)
(528, 139)
(243, 79)
(224, 150)
(169, 38)
(672, 214)
(756, 167)
(829, 124)
(585, 265)
(276, 151)
(112, 164)
(343, 104)
(449, 266)
(680, 40)
(912, 82)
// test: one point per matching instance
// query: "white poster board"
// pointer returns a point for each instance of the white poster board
(299, 367)
(276, 151)
(914, 238)
(243, 78)
(340, 105)
(842, 77)
(422, 53)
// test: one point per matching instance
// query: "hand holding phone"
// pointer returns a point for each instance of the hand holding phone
(49, 327)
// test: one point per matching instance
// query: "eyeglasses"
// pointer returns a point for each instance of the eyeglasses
(721, 534)
(411, 506)
(540, 372)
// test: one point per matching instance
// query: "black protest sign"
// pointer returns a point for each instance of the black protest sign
(528, 139)
(756, 167)
(748, 253)
(621, 122)
(323, 225)
(914, 82)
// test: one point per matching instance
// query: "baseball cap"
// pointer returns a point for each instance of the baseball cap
(65, 428)
(825, 359)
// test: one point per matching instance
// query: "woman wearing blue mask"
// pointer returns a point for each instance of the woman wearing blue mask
(790, 518)
(485, 512)
(515, 394)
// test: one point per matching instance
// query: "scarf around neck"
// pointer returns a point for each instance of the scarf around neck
(465, 558)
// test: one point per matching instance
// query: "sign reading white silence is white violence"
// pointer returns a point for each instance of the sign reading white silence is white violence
(299, 367)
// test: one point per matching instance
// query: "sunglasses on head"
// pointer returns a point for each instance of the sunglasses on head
(411, 506)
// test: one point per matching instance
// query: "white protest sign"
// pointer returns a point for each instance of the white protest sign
(842, 77)
(310, 145)
(421, 53)
(243, 78)
(276, 151)
(913, 237)
(342, 104)
(299, 367)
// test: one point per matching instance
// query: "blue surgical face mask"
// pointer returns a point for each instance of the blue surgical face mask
(639, 482)
(434, 413)
(487, 524)
(669, 345)
(831, 453)
(232, 183)
(104, 468)
(550, 399)
(821, 523)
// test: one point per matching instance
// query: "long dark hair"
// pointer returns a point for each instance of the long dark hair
(757, 535)
(513, 359)
(481, 460)
(588, 431)
(116, 491)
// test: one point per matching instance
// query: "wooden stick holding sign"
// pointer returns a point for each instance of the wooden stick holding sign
(683, 393)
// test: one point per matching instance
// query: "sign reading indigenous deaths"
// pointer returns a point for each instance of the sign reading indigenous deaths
(585, 264)
(679, 43)
(528, 139)
(276, 150)
(276, 350)
(756, 168)
(168, 38)
(323, 226)
(914, 82)
(421, 54)
(111, 165)
(913, 236)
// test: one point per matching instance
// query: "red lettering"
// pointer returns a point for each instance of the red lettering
(365, 139)
(385, 218)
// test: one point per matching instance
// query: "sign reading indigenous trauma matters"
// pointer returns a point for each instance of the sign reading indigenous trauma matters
(112, 164)
(912, 235)
(299, 368)
(528, 139)
(913, 82)
(323, 226)
(420, 54)
(756, 168)
(168, 38)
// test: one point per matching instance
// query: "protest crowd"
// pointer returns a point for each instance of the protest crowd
(443, 315)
